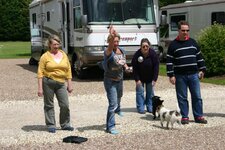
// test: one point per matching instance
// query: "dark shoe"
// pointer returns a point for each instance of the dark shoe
(184, 121)
(68, 128)
(51, 130)
(141, 112)
(200, 120)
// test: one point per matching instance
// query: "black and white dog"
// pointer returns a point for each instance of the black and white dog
(170, 116)
(156, 102)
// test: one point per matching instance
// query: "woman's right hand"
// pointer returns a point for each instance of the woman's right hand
(138, 82)
(112, 31)
(172, 80)
(110, 40)
(40, 92)
(40, 89)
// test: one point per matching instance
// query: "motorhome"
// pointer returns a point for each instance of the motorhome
(198, 13)
(83, 27)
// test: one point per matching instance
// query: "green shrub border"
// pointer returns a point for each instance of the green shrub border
(212, 44)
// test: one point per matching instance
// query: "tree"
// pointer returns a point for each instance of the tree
(166, 2)
(14, 23)
(14, 19)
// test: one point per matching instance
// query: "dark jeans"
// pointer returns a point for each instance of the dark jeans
(183, 82)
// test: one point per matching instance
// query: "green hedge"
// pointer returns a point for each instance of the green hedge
(14, 20)
(212, 43)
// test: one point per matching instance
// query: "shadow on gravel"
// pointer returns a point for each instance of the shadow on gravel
(148, 117)
(96, 74)
(165, 128)
(214, 114)
(28, 67)
(34, 128)
(95, 79)
(93, 127)
(129, 110)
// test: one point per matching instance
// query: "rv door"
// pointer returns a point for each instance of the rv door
(65, 25)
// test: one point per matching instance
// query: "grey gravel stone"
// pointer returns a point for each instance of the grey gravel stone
(22, 119)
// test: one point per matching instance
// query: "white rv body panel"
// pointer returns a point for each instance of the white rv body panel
(83, 26)
(127, 38)
(199, 15)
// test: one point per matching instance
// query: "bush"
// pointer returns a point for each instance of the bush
(212, 43)
(14, 20)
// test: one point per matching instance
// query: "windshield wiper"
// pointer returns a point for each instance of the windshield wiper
(132, 15)
(122, 12)
(112, 18)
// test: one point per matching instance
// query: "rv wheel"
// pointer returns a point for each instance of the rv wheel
(81, 74)
(33, 61)
(161, 55)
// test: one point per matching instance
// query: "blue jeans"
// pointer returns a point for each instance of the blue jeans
(114, 90)
(140, 98)
(192, 82)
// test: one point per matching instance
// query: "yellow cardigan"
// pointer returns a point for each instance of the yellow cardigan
(49, 68)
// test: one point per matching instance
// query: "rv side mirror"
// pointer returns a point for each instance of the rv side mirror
(163, 20)
(84, 20)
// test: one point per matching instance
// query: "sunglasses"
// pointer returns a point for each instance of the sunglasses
(145, 46)
(185, 30)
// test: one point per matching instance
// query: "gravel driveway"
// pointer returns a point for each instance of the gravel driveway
(22, 119)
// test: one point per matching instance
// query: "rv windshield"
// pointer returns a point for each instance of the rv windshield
(120, 11)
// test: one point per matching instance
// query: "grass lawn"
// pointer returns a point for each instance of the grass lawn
(22, 50)
(219, 80)
(15, 50)
(162, 69)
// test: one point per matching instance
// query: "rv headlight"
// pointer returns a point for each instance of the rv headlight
(156, 48)
(93, 48)
(36, 44)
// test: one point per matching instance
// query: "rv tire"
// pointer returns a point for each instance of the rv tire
(33, 62)
(81, 74)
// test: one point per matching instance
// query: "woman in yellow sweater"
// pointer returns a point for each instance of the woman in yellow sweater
(53, 71)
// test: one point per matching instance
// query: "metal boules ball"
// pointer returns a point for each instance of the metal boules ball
(140, 59)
